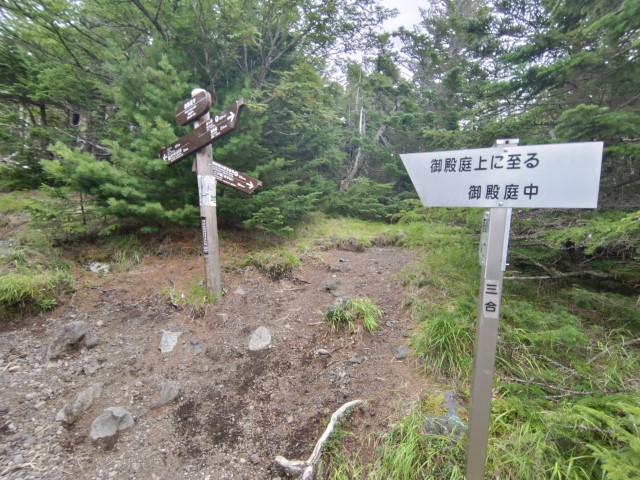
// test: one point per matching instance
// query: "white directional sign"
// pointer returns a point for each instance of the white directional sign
(565, 175)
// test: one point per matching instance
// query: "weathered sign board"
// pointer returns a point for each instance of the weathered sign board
(207, 130)
(234, 178)
(193, 108)
(503, 177)
(222, 123)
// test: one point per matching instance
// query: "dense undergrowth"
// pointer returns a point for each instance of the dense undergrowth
(567, 385)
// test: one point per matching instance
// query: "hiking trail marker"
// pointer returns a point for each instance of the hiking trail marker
(503, 177)
(206, 131)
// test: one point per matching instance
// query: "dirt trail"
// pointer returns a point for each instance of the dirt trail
(237, 409)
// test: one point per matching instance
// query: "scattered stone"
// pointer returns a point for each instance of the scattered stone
(80, 404)
(91, 367)
(339, 293)
(332, 285)
(254, 459)
(223, 317)
(357, 360)
(341, 267)
(352, 245)
(239, 291)
(100, 268)
(194, 346)
(260, 339)
(169, 391)
(449, 423)
(109, 422)
(323, 351)
(91, 340)
(168, 340)
(401, 352)
(69, 335)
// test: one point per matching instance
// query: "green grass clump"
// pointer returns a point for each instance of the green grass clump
(21, 292)
(346, 315)
(407, 453)
(276, 264)
(444, 342)
(127, 251)
(195, 299)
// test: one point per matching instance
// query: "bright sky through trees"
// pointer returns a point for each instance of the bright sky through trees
(409, 13)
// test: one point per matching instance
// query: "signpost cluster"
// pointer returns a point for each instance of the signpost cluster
(501, 178)
(206, 131)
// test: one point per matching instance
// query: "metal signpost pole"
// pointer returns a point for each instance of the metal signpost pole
(208, 215)
(486, 341)
(502, 177)
(493, 247)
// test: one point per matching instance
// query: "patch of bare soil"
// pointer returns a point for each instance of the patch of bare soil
(237, 409)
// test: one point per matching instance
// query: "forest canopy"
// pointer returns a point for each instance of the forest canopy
(89, 90)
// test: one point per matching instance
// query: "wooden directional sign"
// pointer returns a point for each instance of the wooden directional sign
(222, 123)
(233, 178)
(193, 108)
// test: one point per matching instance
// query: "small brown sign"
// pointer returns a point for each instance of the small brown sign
(222, 123)
(193, 108)
(233, 178)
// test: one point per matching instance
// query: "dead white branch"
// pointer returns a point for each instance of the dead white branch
(306, 469)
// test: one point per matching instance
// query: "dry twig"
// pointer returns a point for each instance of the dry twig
(306, 469)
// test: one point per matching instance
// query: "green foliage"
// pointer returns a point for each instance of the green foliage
(367, 200)
(444, 342)
(614, 234)
(346, 314)
(276, 264)
(407, 453)
(195, 300)
(26, 292)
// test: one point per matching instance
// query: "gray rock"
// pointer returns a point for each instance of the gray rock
(332, 285)
(80, 404)
(91, 367)
(168, 340)
(449, 423)
(100, 268)
(323, 351)
(357, 359)
(351, 244)
(401, 352)
(339, 293)
(339, 304)
(70, 334)
(224, 317)
(109, 422)
(194, 346)
(340, 267)
(260, 339)
(169, 391)
(254, 459)
(239, 291)
(91, 340)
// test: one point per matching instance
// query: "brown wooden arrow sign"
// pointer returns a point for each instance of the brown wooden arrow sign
(233, 178)
(193, 108)
(222, 123)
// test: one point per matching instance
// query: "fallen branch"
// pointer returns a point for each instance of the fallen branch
(557, 275)
(305, 469)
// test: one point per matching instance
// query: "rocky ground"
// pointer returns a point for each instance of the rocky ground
(119, 382)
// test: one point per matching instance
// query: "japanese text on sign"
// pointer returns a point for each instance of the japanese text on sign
(509, 176)
(491, 299)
